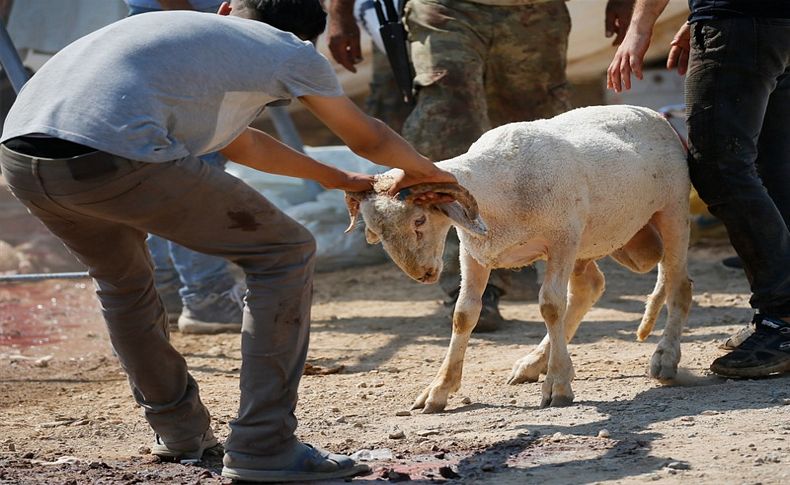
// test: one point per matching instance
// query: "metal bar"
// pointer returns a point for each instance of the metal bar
(43, 276)
(12, 64)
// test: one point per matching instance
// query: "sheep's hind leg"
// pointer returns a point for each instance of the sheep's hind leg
(640, 255)
(467, 311)
(674, 229)
(586, 286)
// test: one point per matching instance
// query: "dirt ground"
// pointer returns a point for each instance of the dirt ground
(67, 416)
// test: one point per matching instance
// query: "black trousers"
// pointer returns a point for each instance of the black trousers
(738, 115)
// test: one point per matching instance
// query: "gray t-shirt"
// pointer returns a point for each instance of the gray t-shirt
(164, 85)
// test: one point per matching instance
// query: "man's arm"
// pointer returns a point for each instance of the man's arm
(260, 151)
(631, 53)
(374, 140)
(343, 34)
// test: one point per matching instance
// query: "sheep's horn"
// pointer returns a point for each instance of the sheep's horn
(457, 191)
(353, 200)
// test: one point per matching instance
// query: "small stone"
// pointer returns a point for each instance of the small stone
(440, 456)
(556, 436)
(397, 434)
(678, 465)
(488, 467)
(604, 433)
(394, 476)
(144, 450)
(403, 413)
(335, 410)
(362, 385)
(28, 455)
(447, 472)
(466, 400)
(11, 447)
(513, 401)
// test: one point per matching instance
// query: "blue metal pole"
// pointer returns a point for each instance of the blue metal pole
(12, 64)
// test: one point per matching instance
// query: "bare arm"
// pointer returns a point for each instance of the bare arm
(374, 140)
(631, 53)
(343, 34)
(260, 151)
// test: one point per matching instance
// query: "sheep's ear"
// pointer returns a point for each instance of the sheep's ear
(456, 212)
(353, 199)
(371, 237)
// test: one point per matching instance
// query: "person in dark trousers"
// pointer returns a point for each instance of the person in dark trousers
(103, 146)
(736, 56)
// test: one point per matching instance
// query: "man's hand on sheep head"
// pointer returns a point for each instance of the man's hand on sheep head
(399, 180)
(351, 182)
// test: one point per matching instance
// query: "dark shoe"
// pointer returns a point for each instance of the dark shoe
(765, 352)
(522, 285)
(311, 464)
(216, 313)
(490, 318)
(162, 450)
(733, 262)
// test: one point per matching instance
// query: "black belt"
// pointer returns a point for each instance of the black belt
(83, 162)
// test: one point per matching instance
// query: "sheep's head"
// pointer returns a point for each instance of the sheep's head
(413, 232)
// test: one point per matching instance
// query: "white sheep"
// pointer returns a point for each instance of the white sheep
(593, 182)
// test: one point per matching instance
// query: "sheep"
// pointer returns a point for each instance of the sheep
(592, 182)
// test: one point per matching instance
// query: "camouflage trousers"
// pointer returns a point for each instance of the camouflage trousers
(480, 66)
(477, 67)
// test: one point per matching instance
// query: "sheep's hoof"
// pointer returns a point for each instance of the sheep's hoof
(432, 407)
(528, 369)
(516, 379)
(556, 393)
(556, 401)
(419, 403)
(664, 363)
(430, 403)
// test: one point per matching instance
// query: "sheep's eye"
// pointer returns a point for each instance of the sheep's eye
(420, 221)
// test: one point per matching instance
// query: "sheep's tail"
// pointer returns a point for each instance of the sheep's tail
(654, 303)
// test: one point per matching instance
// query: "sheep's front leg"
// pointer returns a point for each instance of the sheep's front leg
(553, 304)
(467, 310)
(586, 287)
